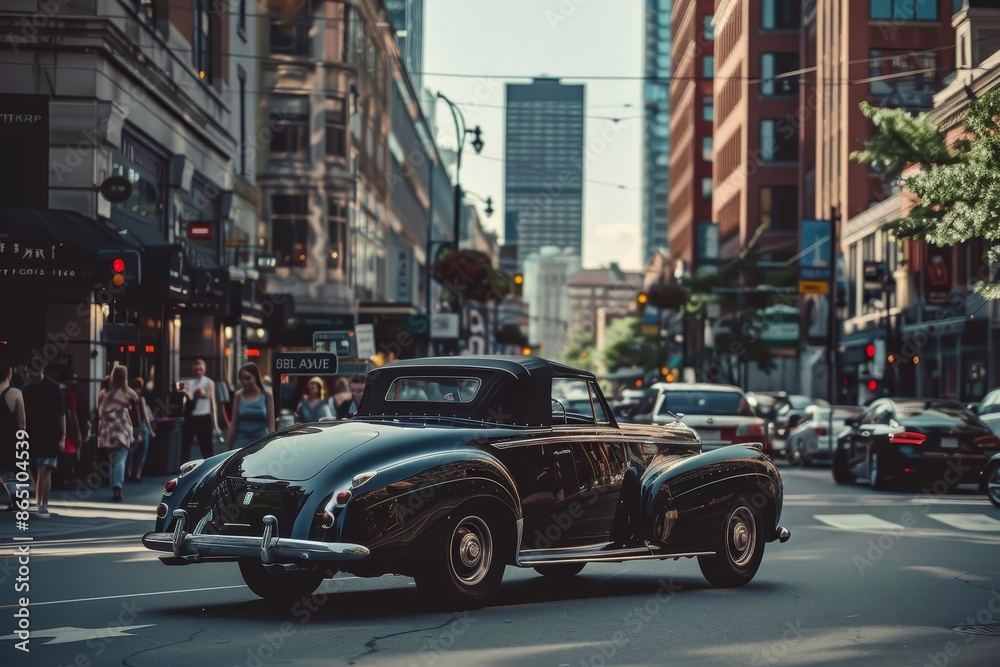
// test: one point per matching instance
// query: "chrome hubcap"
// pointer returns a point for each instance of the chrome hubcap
(742, 536)
(472, 550)
(993, 486)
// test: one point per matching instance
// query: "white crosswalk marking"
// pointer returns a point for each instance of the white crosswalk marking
(857, 522)
(976, 522)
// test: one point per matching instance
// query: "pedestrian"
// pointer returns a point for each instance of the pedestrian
(313, 405)
(341, 400)
(142, 430)
(69, 459)
(357, 392)
(115, 431)
(45, 423)
(200, 413)
(11, 421)
(253, 409)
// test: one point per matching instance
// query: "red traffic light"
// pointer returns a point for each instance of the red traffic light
(118, 264)
(872, 385)
(870, 351)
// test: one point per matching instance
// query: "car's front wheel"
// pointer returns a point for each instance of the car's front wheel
(560, 569)
(841, 472)
(742, 551)
(279, 586)
(993, 485)
(465, 562)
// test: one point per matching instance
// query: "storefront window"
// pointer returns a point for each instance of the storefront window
(290, 230)
(145, 170)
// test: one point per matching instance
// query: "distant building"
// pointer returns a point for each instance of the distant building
(656, 126)
(407, 19)
(543, 166)
(597, 297)
(546, 278)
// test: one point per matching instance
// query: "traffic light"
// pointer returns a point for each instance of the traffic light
(518, 284)
(122, 268)
(526, 351)
(641, 300)
(873, 385)
(870, 351)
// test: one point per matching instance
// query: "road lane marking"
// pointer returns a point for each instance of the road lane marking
(65, 635)
(974, 522)
(857, 522)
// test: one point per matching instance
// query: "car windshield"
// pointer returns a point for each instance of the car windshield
(800, 402)
(839, 414)
(704, 402)
(920, 412)
(433, 389)
(991, 403)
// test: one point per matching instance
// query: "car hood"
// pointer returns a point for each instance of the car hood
(300, 452)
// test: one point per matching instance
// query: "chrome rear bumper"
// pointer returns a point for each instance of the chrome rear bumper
(190, 548)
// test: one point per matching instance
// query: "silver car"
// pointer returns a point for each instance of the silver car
(989, 410)
(811, 441)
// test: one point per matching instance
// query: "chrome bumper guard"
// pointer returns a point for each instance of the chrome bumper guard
(271, 549)
(782, 534)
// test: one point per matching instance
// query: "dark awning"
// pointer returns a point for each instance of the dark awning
(55, 246)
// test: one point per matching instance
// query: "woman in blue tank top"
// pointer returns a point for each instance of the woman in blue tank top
(253, 409)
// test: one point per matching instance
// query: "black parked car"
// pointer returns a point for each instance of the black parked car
(455, 468)
(923, 440)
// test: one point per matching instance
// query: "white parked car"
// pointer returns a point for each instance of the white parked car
(812, 440)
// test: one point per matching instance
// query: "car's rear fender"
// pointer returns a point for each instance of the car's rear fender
(189, 486)
(391, 512)
(684, 504)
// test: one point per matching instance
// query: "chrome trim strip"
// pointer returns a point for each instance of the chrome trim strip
(610, 557)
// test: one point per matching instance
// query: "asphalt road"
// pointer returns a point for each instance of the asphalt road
(868, 577)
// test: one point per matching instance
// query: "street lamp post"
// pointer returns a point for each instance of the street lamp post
(477, 143)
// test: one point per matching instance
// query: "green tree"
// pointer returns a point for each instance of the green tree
(580, 352)
(956, 188)
(626, 346)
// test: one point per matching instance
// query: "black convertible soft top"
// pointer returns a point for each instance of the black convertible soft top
(514, 390)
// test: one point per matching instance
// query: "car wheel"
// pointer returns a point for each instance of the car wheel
(841, 473)
(743, 548)
(464, 561)
(876, 473)
(993, 485)
(279, 586)
(560, 569)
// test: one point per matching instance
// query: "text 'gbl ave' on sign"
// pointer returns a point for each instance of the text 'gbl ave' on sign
(305, 363)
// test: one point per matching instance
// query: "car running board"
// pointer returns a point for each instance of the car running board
(603, 553)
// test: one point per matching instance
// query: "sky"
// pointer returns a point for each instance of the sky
(490, 43)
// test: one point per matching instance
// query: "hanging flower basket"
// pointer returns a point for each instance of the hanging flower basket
(470, 276)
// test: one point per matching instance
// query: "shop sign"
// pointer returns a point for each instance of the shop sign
(305, 363)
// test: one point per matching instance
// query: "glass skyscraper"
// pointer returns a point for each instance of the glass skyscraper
(656, 126)
(543, 167)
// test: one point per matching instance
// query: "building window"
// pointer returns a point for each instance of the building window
(779, 140)
(336, 224)
(779, 205)
(707, 108)
(905, 10)
(289, 124)
(336, 128)
(893, 87)
(782, 14)
(146, 171)
(146, 8)
(202, 40)
(772, 66)
(708, 30)
(706, 149)
(706, 188)
(708, 67)
(290, 35)
(290, 229)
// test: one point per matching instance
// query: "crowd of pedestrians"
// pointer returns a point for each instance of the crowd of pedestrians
(66, 439)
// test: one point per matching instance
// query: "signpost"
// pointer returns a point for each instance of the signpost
(305, 363)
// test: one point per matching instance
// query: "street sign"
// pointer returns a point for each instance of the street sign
(814, 287)
(343, 342)
(305, 363)
(116, 189)
(365, 340)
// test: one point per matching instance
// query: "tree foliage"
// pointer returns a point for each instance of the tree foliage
(580, 352)
(469, 275)
(956, 188)
(626, 345)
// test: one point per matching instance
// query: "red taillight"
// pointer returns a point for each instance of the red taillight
(341, 498)
(327, 521)
(820, 430)
(987, 441)
(169, 487)
(161, 511)
(908, 438)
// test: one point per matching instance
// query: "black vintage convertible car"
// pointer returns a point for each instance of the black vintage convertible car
(455, 468)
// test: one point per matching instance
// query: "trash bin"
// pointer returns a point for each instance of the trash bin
(164, 456)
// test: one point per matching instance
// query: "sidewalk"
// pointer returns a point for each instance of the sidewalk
(139, 501)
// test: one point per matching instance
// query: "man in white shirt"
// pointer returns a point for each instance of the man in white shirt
(199, 415)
